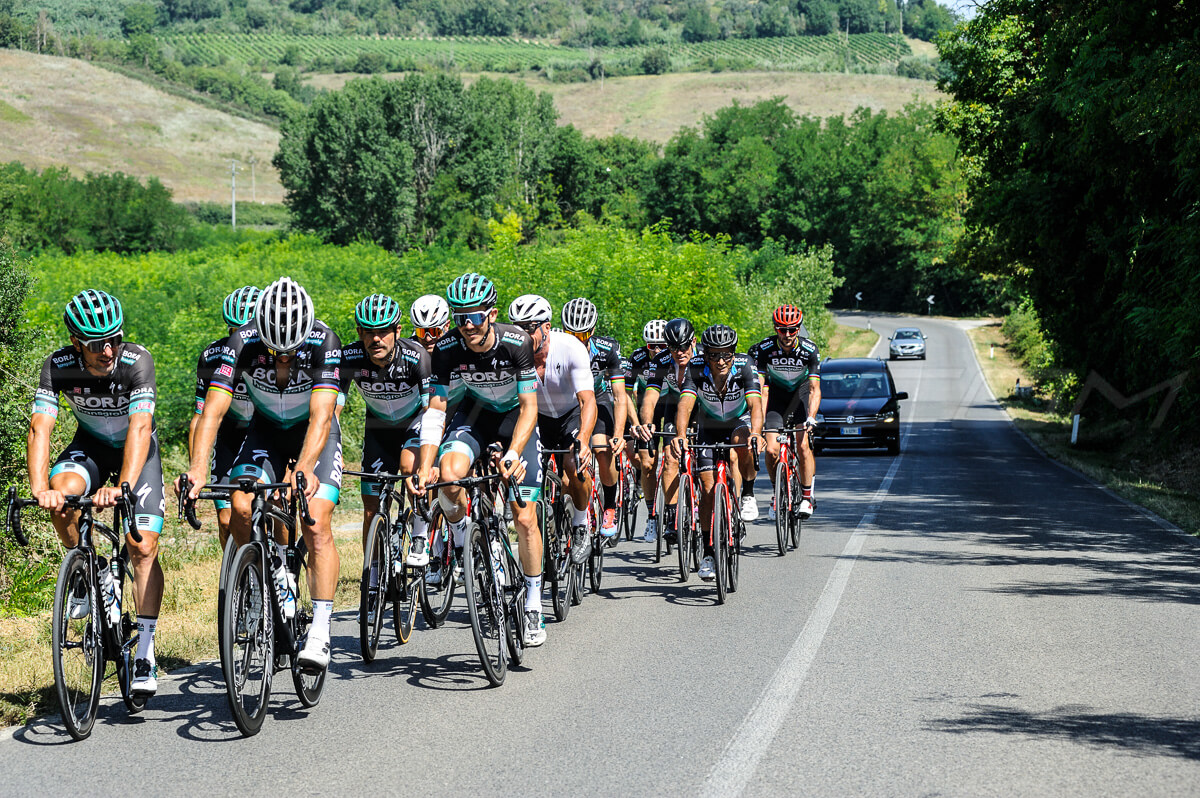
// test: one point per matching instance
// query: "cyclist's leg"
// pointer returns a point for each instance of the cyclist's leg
(772, 420)
(461, 447)
(807, 462)
(262, 458)
(704, 463)
(529, 535)
(229, 440)
(606, 463)
(318, 537)
(74, 473)
(147, 572)
(411, 445)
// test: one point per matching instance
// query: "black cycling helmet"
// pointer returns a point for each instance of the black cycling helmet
(719, 336)
(679, 334)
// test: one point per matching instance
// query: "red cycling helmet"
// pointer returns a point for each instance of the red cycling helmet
(788, 316)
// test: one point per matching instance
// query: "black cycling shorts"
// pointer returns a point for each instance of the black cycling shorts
(705, 457)
(267, 449)
(606, 422)
(473, 429)
(786, 409)
(97, 463)
(381, 452)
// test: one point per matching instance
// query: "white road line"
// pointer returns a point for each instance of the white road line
(734, 768)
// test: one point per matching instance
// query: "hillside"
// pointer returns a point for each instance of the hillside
(655, 107)
(67, 112)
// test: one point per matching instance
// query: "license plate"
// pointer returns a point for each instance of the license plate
(852, 430)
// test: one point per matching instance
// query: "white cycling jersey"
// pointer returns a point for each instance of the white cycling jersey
(568, 371)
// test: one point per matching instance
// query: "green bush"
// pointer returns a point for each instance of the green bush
(1026, 339)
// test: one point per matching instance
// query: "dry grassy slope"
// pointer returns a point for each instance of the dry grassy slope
(64, 112)
(655, 107)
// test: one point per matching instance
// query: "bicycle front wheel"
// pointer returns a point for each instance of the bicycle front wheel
(78, 647)
(795, 523)
(406, 588)
(783, 507)
(372, 588)
(437, 598)
(557, 560)
(720, 531)
(308, 685)
(248, 646)
(485, 610)
(227, 554)
(683, 525)
(125, 636)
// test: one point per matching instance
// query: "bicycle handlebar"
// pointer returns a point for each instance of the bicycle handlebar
(72, 502)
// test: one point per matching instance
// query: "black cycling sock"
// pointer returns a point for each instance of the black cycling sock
(748, 487)
(610, 496)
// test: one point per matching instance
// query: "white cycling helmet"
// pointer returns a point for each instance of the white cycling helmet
(430, 311)
(285, 315)
(529, 308)
(654, 332)
(579, 315)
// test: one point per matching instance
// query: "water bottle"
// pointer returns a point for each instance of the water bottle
(108, 591)
(286, 597)
(498, 562)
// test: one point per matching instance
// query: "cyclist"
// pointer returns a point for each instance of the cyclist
(392, 374)
(724, 385)
(109, 385)
(430, 317)
(635, 387)
(566, 406)
(663, 380)
(291, 363)
(236, 310)
(579, 319)
(490, 366)
(789, 369)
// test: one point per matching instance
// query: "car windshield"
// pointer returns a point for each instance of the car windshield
(907, 334)
(853, 386)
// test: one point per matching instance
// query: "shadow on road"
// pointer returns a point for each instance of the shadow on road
(1148, 735)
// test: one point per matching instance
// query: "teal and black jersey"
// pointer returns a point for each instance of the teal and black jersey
(492, 380)
(394, 394)
(725, 406)
(102, 405)
(605, 357)
(241, 409)
(786, 371)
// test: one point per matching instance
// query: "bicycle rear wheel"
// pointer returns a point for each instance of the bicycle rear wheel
(783, 507)
(372, 598)
(436, 599)
(629, 480)
(684, 512)
(228, 552)
(659, 514)
(555, 567)
(125, 635)
(513, 598)
(248, 646)
(483, 606)
(78, 647)
(596, 558)
(309, 686)
(795, 523)
(405, 588)
(720, 530)
(733, 550)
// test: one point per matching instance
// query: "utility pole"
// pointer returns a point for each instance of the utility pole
(233, 194)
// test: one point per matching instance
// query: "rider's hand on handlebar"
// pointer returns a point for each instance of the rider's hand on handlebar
(513, 469)
(810, 422)
(679, 445)
(51, 499)
(617, 444)
(643, 431)
(197, 482)
(584, 456)
(107, 496)
(311, 483)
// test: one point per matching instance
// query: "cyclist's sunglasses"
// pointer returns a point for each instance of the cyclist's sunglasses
(97, 345)
(680, 348)
(795, 328)
(656, 347)
(428, 332)
(282, 352)
(380, 331)
(531, 327)
(582, 336)
(720, 357)
(474, 318)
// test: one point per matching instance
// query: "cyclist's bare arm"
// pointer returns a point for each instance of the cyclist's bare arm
(649, 401)
(619, 411)
(321, 408)
(526, 422)
(216, 403)
(814, 397)
(683, 416)
(37, 459)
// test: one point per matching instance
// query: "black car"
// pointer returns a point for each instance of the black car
(860, 405)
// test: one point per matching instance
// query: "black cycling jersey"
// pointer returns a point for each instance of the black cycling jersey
(102, 405)
(786, 371)
(241, 409)
(605, 356)
(725, 408)
(394, 394)
(636, 370)
(491, 380)
(314, 368)
(663, 376)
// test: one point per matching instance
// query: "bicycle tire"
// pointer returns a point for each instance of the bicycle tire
(435, 611)
(683, 526)
(308, 685)
(783, 507)
(125, 636)
(228, 552)
(659, 513)
(78, 648)
(514, 605)
(564, 587)
(373, 600)
(487, 616)
(249, 641)
(733, 553)
(719, 533)
(578, 576)
(795, 523)
(599, 544)
(405, 589)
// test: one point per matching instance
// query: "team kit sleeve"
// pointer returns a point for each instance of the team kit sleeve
(655, 374)
(234, 359)
(327, 370)
(581, 367)
(45, 399)
(202, 368)
(527, 373)
(142, 389)
(425, 375)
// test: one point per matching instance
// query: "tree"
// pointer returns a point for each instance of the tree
(1078, 121)
(656, 62)
(138, 18)
(698, 24)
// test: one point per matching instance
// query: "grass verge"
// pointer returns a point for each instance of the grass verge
(1160, 475)
(851, 342)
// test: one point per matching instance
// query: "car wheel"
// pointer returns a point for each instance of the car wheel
(922, 357)
(893, 446)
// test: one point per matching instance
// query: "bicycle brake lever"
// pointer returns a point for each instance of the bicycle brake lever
(301, 484)
(127, 506)
(13, 517)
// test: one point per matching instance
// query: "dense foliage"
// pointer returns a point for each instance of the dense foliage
(172, 302)
(1085, 157)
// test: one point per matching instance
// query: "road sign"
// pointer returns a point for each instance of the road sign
(929, 299)
(858, 297)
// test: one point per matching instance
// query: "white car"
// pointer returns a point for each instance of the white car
(906, 342)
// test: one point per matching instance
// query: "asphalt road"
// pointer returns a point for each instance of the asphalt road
(965, 619)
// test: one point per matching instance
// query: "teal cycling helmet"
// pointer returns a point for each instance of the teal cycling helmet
(377, 312)
(239, 306)
(471, 291)
(93, 314)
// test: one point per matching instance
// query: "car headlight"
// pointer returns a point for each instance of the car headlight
(888, 416)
